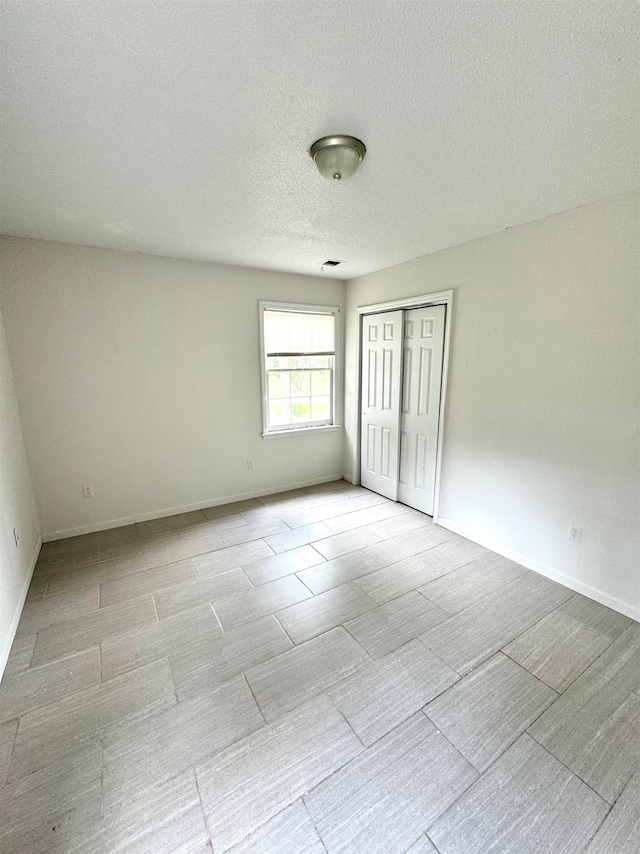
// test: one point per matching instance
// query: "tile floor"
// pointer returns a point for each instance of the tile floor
(317, 672)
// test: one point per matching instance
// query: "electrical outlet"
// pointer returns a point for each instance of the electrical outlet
(16, 536)
(249, 465)
(87, 490)
(574, 533)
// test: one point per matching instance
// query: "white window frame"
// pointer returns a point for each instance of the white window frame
(304, 308)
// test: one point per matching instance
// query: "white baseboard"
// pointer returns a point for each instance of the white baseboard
(184, 508)
(17, 613)
(569, 581)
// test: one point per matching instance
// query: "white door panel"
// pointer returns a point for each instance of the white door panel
(422, 377)
(381, 387)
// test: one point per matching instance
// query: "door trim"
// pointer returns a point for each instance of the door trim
(438, 298)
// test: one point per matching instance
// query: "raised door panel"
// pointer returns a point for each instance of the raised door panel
(381, 388)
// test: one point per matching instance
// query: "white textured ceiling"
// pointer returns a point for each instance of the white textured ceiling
(182, 128)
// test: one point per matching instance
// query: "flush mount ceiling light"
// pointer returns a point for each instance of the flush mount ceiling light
(337, 157)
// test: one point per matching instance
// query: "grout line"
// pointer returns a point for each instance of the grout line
(570, 770)
(215, 614)
(255, 700)
(287, 633)
(204, 812)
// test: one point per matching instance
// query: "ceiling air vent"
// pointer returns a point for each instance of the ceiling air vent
(330, 263)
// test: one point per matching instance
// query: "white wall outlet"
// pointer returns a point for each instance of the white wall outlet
(16, 536)
(87, 490)
(574, 533)
(249, 465)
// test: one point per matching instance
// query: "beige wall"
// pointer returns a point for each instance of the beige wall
(542, 423)
(141, 375)
(17, 510)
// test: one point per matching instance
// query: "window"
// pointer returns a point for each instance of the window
(299, 367)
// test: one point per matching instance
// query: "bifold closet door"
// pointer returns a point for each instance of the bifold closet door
(423, 348)
(381, 389)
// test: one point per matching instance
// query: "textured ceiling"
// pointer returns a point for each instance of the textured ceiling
(182, 128)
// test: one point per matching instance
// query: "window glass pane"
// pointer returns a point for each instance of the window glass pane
(300, 383)
(279, 413)
(320, 408)
(301, 410)
(320, 382)
(279, 384)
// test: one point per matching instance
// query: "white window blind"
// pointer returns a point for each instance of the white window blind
(295, 333)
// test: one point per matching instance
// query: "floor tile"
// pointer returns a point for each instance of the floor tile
(596, 616)
(528, 803)
(379, 697)
(171, 523)
(385, 797)
(48, 734)
(106, 570)
(405, 546)
(234, 507)
(620, 832)
(37, 588)
(452, 554)
(267, 599)
(20, 655)
(185, 630)
(332, 573)
(8, 732)
(320, 613)
(225, 655)
(180, 549)
(366, 516)
(467, 639)
(257, 531)
(557, 649)
(295, 676)
(530, 597)
(271, 769)
(340, 544)
(298, 537)
(173, 600)
(310, 515)
(594, 729)
(90, 630)
(269, 568)
(289, 832)
(38, 686)
(58, 609)
(164, 819)
(393, 624)
(503, 568)
(622, 660)
(148, 581)
(487, 710)
(392, 581)
(230, 558)
(48, 808)
(422, 846)
(460, 588)
(175, 739)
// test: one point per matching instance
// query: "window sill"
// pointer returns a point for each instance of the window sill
(301, 431)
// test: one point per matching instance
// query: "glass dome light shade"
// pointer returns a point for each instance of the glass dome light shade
(337, 157)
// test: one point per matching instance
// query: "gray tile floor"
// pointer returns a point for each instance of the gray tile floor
(315, 672)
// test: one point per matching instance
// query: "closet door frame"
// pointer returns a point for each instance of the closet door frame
(439, 298)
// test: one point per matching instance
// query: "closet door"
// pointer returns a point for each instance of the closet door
(422, 380)
(381, 387)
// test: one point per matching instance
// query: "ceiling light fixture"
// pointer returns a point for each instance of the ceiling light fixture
(337, 157)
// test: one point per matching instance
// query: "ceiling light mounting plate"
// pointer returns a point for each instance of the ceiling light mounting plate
(337, 156)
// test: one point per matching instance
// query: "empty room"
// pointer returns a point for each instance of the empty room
(319, 427)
